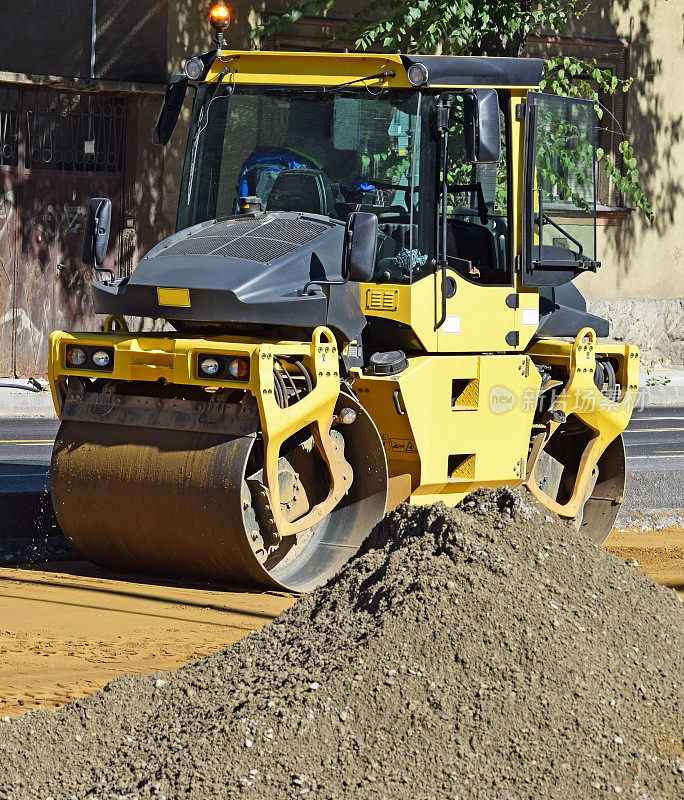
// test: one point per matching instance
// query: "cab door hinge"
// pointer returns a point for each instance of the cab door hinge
(512, 301)
(520, 109)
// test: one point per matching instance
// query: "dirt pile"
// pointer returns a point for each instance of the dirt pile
(484, 652)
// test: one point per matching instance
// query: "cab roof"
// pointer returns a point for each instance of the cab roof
(278, 67)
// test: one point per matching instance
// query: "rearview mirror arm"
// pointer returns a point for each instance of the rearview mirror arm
(112, 277)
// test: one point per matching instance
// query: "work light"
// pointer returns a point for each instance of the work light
(417, 74)
(194, 68)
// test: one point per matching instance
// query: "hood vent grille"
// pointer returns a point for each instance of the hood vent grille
(255, 239)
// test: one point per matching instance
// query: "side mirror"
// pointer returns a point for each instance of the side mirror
(170, 110)
(360, 245)
(482, 126)
(96, 231)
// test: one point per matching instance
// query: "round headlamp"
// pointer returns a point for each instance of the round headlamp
(417, 74)
(239, 368)
(101, 358)
(76, 356)
(194, 68)
(209, 366)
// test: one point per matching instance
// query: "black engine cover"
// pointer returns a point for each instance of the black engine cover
(247, 269)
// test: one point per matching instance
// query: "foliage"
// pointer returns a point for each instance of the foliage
(458, 27)
(495, 28)
(574, 77)
(656, 380)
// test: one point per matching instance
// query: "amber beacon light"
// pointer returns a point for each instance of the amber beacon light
(219, 16)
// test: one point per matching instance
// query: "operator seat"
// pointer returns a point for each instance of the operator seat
(302, 190)
(477, 244)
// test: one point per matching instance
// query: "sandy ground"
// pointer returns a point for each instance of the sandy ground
(67, 631)
(660, 553)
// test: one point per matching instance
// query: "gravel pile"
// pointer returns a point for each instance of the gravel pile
(487, 652)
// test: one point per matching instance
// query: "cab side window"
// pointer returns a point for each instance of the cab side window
(477, 231)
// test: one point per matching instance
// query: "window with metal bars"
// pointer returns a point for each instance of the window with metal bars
(9, 126)
(74, 132)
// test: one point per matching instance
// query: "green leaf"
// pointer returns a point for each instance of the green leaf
(466, 27)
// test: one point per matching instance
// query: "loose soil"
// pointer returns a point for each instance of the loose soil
(54, 647)
(65, 632)
(482, 653)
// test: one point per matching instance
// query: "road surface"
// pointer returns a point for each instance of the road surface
(25, 449)
(69, 628)
(654, 442)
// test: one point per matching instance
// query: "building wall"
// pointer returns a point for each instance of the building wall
(66, 138)
(643, 259)
(51, 38)
(139, 43)
(148, 40)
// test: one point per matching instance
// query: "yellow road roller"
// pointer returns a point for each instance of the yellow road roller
(368, 300)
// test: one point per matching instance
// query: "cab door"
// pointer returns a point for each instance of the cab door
(559, 190)
(478, 302)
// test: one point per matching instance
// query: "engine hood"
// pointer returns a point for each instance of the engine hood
(247, 269)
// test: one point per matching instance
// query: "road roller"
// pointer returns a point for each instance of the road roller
(368, 300)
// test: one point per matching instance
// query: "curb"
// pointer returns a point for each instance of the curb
(667, 389)
(671, 394)
(19, 401)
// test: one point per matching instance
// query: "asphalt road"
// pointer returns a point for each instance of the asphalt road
(654, 442)
(655, 439)
(25, 450)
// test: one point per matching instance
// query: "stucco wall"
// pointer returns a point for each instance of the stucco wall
(643, 259)
(43, 37)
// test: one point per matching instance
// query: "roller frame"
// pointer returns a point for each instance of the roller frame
(175, 360)
(605, 418)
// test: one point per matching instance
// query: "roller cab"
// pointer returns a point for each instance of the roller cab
(368, 300)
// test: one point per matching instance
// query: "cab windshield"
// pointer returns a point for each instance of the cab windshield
(323, 153)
